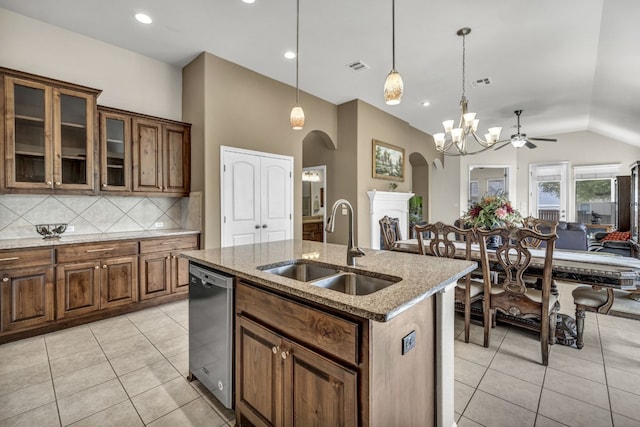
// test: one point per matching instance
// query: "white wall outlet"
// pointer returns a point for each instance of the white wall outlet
(159, 224)
(344, 211)
(71, 228)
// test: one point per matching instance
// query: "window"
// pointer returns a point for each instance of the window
(595, 193)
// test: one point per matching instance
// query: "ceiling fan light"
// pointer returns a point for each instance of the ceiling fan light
(448, 125)
(518, 141)
(393, 87)
(297, 118)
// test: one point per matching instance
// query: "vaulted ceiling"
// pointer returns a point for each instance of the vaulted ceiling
(571, 65)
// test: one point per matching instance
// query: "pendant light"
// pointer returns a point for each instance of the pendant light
(297, 115)
(393, 86)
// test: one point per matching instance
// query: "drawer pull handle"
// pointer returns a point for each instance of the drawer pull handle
(6, 279)
(99, 250)
(285, 354)
(97, 267)
(275, 349)
(13, 258)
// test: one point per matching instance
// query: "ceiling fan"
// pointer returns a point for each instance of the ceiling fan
(520, 139)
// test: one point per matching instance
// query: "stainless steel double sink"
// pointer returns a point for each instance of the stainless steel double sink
(336, 278)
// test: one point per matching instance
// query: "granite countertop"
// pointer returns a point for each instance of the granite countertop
(422, 276)
(65, 239)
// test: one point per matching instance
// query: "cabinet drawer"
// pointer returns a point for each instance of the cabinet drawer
(74, 253)
(25, 258)
(168, 244)
(312, 226)
(306, 325)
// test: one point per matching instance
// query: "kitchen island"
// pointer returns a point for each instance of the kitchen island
(306, 355)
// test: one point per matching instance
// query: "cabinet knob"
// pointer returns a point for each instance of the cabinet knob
(49, 182)
(174, 257)
(104, 185)
(97, 267)
(6, 279)
(159, 187)
(264, 225)
(104, 266)
(275, 349)
(166, 188)
(169, 257)
(285, 354)
(257, 226)
(57, 182)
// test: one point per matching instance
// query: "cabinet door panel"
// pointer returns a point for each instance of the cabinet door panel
(78, 289)
(27, 298)
(179, 274)
(118, 282)
(177, 157)
(317, 392)
(258, 373)
(147, 156)
(155, 275)
(115, 151)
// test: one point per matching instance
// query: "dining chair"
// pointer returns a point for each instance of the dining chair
(441, 243)
(390, 232)
(539, 225)
(510, 300)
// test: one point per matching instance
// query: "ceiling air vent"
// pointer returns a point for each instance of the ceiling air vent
(481, 82)
(358, 66)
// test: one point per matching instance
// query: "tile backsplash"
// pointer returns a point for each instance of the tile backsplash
(96, 214)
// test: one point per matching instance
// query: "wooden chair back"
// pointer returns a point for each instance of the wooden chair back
(441, 238)
(390, 231)
(539, 225)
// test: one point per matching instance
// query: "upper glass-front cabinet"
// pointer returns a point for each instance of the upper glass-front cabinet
(115, 151)
(49, 135)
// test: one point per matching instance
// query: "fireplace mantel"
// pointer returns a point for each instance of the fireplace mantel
(394, 204)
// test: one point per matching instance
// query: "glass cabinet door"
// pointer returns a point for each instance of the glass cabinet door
(73, 157)
(115, 151)
(28, 139)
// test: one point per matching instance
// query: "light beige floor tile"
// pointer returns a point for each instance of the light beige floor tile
(146, 378)
(466, 422)
(135, 360)
(82, 379)
(163, 399)
(152, 320)
(579, 367)
(626, 362)
(462, 396)
(617, 322)
(22, 361)
(43, 416)
(592, 353)
(475, 353)
(572, 412)
(623, 380)
(180, 361)
(90, 401)
(173, 346)
(126, 345)
(194, 414)
(114, 329)
(511, 389)
(489, 410)
(181, 318)
(26, 399)
(164, 333)
(16, 380)
(22, 347)
(227, 414)
(620, 346)
(468, 373)
(630, 334)
(622, 421)
(625, 403)
(68, 364)
(68, 342)
(521, 344)
(142, 315)
(120, 415)
(588, 391)
(518, 367)
(542, 421)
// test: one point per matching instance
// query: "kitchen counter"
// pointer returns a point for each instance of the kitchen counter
(422, 276)
(65, 239)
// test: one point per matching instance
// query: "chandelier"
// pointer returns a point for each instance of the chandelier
(453, 142)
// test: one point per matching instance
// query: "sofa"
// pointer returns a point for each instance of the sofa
(571, 235)
(614, 243)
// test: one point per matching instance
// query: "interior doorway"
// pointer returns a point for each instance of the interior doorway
(548, 191)
(314, 202)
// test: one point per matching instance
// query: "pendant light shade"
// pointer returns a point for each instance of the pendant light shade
(393, 86)
(296, 118)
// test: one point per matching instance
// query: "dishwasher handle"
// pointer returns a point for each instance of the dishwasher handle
(210, 279)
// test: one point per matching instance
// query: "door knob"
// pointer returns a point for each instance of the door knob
(264, 225)
(257, 226)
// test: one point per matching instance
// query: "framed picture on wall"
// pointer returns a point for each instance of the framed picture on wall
(388, 161)
(495, 186)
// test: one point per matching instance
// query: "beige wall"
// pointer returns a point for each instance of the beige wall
(128, 80)
(233, 106)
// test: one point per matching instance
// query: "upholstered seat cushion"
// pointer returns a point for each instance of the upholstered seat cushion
(477, 286)
(534, 295)
(622, 301)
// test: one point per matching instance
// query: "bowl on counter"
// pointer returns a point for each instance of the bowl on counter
(51, 231)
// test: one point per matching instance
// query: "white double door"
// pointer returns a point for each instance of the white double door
(257, 197)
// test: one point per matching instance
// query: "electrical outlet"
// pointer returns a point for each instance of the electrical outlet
(344, 211)
(159, 224)
(408, 342)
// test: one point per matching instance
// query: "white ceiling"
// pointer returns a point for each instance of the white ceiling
(571, 65)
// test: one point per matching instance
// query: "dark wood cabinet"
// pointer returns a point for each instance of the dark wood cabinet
(49, 134)
(623, 203)
(162, 271)
(94, 277)
(313, 231)
(115, 150)
(634, 209)
(161, 156)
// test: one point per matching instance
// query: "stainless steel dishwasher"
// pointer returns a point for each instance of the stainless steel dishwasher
(211, 331)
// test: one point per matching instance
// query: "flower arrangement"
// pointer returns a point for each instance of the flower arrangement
(491, 211)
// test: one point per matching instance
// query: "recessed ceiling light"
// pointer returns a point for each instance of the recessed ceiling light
(289, 54)
(425, 103)
(248, 1)
(145, 19)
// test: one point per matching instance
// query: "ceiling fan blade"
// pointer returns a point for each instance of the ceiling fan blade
(530, 144)
(544, 139)
(503, 145)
